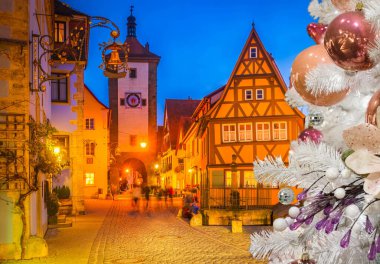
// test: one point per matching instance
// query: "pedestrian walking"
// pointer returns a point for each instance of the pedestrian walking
(147, 195)
(159, 197)
(166, 193)
(136, 194)
(171, 193)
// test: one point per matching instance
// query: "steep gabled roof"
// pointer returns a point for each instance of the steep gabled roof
(64, 9)
(240, 66)
(174, 110)
(138, 51)
(93, 95)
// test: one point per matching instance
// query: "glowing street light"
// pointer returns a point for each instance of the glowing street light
(127, 170)
(143, 144)
(56, 150)
(156, 166)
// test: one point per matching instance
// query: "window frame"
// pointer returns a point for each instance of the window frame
(90, 148)
(133, 73)
(57, 29)
(262, 131)
(92, 183)
(245, 95)
(88, 124)
(262, 94)
(229, 133)
(250, 52)
(60, 85)
(280, 130)
(245, 132)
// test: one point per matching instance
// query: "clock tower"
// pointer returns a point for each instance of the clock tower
(133, 102)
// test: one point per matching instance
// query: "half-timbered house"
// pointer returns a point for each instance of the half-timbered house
(247, 119)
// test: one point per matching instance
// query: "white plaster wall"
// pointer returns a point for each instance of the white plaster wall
(63, 118)
(133, 120)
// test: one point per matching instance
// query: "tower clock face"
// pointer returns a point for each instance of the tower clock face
(133, 99)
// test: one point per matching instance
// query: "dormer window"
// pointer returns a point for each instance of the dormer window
(253, 53)
(59, 31)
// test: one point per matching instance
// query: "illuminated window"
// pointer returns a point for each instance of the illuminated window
(263, 131)
(228, 178)
(253, 52)
(280, 131)
(259, 94)
(229, 133)
(59, 31)
(59, 88)
(249, 179)
(245, 132)
(90, 148)
(90, 123)
(90, 178)
(248, 94)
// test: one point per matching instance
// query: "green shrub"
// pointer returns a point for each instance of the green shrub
(52, 205)
(63, 192)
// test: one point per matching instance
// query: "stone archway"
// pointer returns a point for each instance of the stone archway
(135, 170)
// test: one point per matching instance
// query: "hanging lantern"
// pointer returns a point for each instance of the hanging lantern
(114, 59)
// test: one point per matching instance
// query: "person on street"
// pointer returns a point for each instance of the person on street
(136, 194)
(146, 193)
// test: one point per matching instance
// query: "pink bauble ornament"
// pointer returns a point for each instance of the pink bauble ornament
(306, 61)
(317, 32)
(344, 5)
(311, 134)
(348, 39)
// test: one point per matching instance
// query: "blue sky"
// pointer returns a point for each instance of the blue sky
(199, 41)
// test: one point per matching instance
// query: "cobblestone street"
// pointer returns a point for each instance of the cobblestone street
(153, 235)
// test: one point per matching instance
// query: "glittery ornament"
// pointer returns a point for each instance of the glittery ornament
(348, 40)
(286, 196)
(317, 32)
(305, 259)
(315, 119)
(311, 134)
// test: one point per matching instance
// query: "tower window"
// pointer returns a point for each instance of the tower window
(143, 102)
(253, 53)
(122, 101)
(133, 140)
(90, 148)
(132, 73)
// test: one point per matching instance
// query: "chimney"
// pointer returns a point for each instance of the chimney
(147, 46)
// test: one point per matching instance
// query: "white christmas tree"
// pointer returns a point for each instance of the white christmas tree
(336, 162)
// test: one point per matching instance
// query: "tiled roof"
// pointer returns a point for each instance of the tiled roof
(175, 109)
(64, 9)
(136, 50)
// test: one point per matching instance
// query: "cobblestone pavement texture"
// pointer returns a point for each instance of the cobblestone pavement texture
(115, 232)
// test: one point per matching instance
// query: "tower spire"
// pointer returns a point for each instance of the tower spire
(131, 24)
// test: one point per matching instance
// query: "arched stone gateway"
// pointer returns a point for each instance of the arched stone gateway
(134, 171)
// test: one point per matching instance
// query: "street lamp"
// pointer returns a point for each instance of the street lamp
(143, 144)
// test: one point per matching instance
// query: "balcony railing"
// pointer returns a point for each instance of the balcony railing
(238, 199)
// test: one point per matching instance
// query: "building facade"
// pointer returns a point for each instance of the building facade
(71, 30)
(248, 119)
(177, 119)
(133, 101)
(24, 103)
